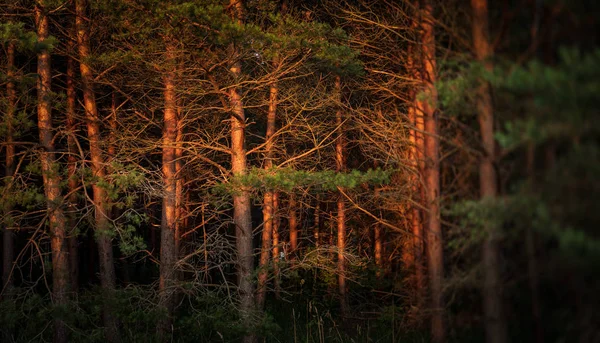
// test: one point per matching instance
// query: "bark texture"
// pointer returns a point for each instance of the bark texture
(495, 322)
(340, 162)
(435, 257)
(51, 178)
(168, 251)
(101, 203)
(8, 232)
(242, 216)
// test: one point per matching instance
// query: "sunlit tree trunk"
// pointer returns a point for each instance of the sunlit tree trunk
(416, 245)
(168, 251)
(495, 322)
(293, 224)
(72, 169)
(432, 174)
(101, 207)
(51, 178)
(242, 216)
(340, 162)
(7, 232)
(276, 245)
(268, 198)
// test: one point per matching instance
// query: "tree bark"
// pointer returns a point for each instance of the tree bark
(51, 178)
(416, 244)
(340, 162)
(102, 221)
(495, 322)
(168, 251)
(268, 205)
(435, 257)
(276, 245)
(7, 232)
(72, 171)
(242, 216)
(293, 223)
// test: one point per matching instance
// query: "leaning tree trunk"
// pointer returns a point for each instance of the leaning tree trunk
(495, 322)
(168, 251)
(101, 208)
(432, 174)
(242, 216)
(340, 162)
(51, 178)
(7, 232)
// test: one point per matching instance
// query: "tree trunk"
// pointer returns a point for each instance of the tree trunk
(293, 223)
(276, 245)
(102, 221)
(168, 251)
(495, 323)
(416, 244)
(242, 216)
(51, 178)
(268, 208)
(340, 162)
(435, 257)
(7, 232)
(72, 171)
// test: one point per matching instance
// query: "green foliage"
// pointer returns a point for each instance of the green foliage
(287, 179)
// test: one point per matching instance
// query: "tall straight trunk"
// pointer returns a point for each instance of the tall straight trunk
(340, 163)
(72, 171)
(168, 251)
(268, 206)
(101, 208)
(378, 247)
(293, 223)
(7, 232)
(276, 244)
(435, 257)
(242, 216)
(51, 178)
(416, 245)
(180, 226)
(495, 322)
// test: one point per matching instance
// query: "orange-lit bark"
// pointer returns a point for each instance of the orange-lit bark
(293, 223)
(242, 217)
(101, 207)
(7, 232)
(340, 162)
(268, 202)
(276, 244)
(416, 244)
(51, 178)
(168, 251)
(428, 108)
(495, 322)
(378, 247)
